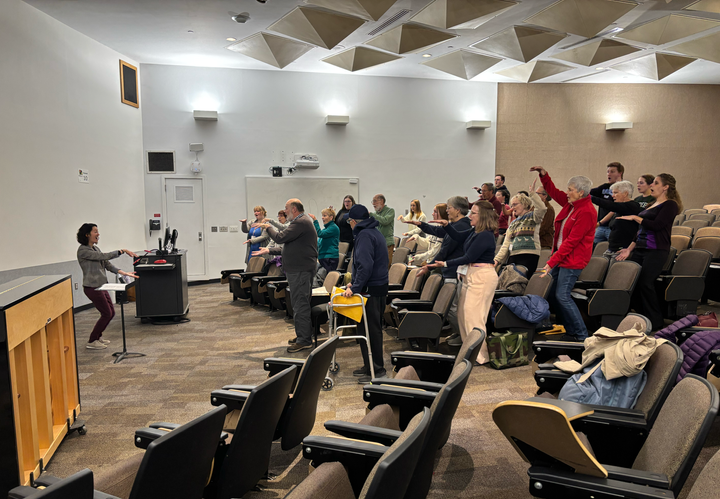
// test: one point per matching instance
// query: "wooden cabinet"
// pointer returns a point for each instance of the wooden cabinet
(39, 392)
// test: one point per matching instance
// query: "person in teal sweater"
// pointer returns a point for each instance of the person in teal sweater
(328, 240)
(386, 218)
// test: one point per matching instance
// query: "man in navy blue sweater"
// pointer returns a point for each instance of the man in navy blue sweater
(369, 277)
(457, 210)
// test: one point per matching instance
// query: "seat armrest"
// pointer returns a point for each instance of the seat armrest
(363, 432)
(327, 449)
(144, 436)
(572, 410)
(164, 426)
(608, 302)
(269, 278)
(618, 411)
(275, 365)
(249, 275)
(559, 483)
(422, 305)
(408, 383)
(234, 400)
(226, 273)
(407, 399)
(546, 350)
(504, 293)
(685, 288)
(550, 381)
(393, 287)
(639, 477)
(429, 366)
(402, 295)
(21, 492)
(588, 284)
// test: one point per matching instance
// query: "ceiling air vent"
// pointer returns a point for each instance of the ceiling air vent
(390, 21)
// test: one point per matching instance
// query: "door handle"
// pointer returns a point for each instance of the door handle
(199, 236)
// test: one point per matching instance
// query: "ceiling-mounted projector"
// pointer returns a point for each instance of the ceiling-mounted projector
(310, 161)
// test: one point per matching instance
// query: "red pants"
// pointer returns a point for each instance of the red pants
(102, 301)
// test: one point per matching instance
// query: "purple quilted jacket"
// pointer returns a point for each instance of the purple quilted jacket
(695, 349)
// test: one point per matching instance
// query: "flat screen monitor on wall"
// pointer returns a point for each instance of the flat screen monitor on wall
(161, 161)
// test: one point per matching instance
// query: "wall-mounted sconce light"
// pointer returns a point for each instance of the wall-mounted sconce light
(205, 115)
(618, 125)
(331, 119)
(477, 125)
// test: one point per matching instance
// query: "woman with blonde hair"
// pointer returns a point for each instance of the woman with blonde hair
(476, 270)
(652, 245)
(328, 240)
(416, 215)
(430, 244)
(257, 236)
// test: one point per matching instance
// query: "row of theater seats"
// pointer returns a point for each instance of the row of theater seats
(592, 451)
(223, 454)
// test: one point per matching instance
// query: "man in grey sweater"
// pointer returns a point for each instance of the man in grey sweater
(299, 256)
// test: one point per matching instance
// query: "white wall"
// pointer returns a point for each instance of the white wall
(61, 111)
(406, 137)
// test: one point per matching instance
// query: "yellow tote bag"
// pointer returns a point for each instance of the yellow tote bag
(354, 313)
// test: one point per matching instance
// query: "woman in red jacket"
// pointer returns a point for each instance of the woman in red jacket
(572, 248)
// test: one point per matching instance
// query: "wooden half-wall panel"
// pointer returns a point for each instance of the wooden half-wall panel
(562, 128)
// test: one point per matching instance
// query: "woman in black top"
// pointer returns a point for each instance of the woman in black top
(643, 186)
(622, 232)
(346, 235)
(652, 245)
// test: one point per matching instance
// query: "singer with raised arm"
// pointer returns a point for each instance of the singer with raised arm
(94, 263)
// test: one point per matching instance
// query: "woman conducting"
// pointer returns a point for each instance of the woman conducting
(476, 270)
(522, 239)
(652, 245)
(257, 236)
(94, 263)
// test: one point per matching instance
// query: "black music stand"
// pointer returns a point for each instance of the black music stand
(121, 296)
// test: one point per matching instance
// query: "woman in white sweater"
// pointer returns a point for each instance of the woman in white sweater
(522, 239)
(416, 214)
(429, 245)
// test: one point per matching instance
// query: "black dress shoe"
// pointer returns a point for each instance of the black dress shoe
(364, 380)
(293, 341)
(363, 371)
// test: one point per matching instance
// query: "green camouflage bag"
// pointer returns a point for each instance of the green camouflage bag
(508, 350)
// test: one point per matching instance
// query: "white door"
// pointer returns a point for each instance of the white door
(184, 211)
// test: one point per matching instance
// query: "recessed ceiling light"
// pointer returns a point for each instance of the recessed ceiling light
(599, 69)
(231, 39)
(427, 55)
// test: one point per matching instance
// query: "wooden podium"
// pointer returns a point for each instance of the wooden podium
(39, 391)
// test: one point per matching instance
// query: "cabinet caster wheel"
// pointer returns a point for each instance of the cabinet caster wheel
(334, 367)
(327, 384)
(82, 430)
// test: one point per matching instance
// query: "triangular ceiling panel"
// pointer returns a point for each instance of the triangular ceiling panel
(654, 66)
(462, 63)
(271, 49)
(597, 52)
(319, 27)
(668, 29)
(520, 43)
(367, 9)
(461, 14)
(533, 71)
(707, 47)
(408, 38)
(359, 57)
(705, 6)
(581, 17)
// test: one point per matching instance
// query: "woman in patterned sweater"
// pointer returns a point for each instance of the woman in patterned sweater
(522, 239)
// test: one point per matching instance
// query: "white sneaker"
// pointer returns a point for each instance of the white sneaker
(104, 341)
(95, 345)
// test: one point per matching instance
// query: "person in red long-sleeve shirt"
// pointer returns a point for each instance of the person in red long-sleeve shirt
(572, 248)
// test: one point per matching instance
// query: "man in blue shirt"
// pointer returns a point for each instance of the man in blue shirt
(369, 277)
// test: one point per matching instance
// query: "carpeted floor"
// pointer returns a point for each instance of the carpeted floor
(225, 343)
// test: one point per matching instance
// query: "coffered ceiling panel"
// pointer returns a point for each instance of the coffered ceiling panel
(319, 27)
(655, 66)
(705, 6)
(360, 57)
(460, 14)
(581, 17)
(462, 63)
(596, 52)
(520, 42)
(535, 70)
(367, 9)
(707, 47)
(668, 29)
(408, 38)
(271, 49)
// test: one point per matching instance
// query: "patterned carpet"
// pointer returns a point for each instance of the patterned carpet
(225, 343)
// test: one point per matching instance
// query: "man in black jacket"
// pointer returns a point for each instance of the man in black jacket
(615, 172)
(457, 210)
(369, 276)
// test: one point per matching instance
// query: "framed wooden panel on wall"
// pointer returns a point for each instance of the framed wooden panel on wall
(129, 84)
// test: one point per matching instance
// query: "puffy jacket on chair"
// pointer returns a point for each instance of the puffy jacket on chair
(530, 308)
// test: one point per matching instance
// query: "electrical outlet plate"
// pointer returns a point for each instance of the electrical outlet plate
(213, 228)
(223, 228)
(234, 228)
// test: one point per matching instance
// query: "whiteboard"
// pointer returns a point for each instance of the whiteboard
(316, 193)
